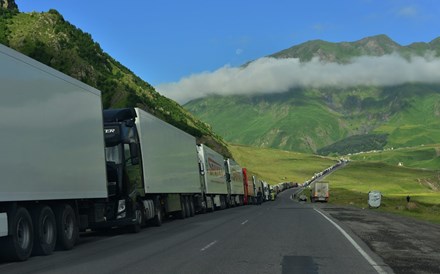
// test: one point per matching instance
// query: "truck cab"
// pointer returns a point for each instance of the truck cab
(123, 164)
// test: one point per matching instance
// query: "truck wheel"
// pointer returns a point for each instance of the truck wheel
(182, 213)
(45, 231)
(140, 220)
(18, 245)
(192, 210)
(212, 204)
(187, 208)
(222, 202)
(67, 227)
(157, 221)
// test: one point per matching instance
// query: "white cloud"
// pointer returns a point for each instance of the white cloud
(269, 75)
(238, 51)
(408, 12)
(318, 27)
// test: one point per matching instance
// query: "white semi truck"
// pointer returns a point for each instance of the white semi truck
(213, 178)
(66, 167)
(319, 192)
(234, 177)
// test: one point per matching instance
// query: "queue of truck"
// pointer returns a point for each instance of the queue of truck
(319, 191)
(69, 166)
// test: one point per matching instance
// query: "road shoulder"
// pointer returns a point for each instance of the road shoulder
(406, 245)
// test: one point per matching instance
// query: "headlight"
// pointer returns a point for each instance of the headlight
(121, 210)
(121, 206)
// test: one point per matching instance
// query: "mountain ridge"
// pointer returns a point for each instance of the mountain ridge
(342, 52)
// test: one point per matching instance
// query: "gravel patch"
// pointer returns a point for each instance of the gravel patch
(405, 244)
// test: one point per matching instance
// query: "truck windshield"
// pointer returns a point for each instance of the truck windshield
(113, 154)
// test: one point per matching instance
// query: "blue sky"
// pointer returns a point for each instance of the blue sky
(165, 41)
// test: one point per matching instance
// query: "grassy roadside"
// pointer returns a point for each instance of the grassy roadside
(425, 156)
(350, 185)
(275, 166)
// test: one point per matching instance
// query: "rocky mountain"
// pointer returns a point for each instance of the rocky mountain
(8, 5)
(343, 52)
(48, 38)
(332, 119)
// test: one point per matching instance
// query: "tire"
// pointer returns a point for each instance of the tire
(213, 205)
(158, 219)
(187, 208)
(204, 208)
(45, 230)
(18, 245)
(67, 227)
(183, 212)
(140, 220)
(223, 202)
(192, 210)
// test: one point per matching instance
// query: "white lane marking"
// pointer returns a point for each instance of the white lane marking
(358, 248)
(208, 246)
(243, 223)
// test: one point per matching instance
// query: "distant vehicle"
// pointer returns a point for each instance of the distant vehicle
(319, 192)
(276, 189)
(234, 178)
(212, 174)
(265, 188)
(272, 193)
(302, 198)
(280, 187)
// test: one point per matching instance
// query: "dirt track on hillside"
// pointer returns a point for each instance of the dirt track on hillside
(405, 244)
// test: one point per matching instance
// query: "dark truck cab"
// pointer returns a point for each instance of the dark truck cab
(123, 166)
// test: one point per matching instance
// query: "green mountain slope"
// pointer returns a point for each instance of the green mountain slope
(48, 38)
(295, 123)
(309, 119)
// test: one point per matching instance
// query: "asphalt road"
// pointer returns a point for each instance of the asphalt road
(282, 236)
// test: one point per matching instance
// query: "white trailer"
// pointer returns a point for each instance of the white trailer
(169, 164)
(52, 156)
(51, 127)
(213, 177)
(266, 190)
(235, 180)
(320, 192)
